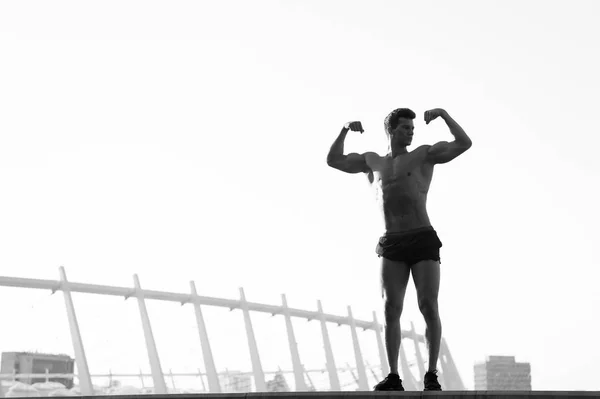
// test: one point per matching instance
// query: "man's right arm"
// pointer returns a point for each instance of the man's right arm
(351, 163)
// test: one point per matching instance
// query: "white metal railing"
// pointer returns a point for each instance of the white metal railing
(449, 370)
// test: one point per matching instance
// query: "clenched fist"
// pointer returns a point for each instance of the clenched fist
(354, 126)
(433, 113)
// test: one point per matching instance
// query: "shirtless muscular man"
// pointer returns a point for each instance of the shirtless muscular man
(401, 181)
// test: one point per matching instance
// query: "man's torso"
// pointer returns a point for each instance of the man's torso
(401, 186)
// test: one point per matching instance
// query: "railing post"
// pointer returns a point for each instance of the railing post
(296, 364)
(385, 368)
(450, 372)
(334, 381)
(310, 381)
(157, 375)
(408, 380)
(213, 379)
(142, 379)
(259, 376)
(172, 379)
(420, 362)
(202, 381)
(360, 364)
(83, 372)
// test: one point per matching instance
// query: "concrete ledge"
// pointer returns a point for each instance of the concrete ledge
(366, 395)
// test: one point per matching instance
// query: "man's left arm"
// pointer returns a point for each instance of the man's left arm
(444, 151)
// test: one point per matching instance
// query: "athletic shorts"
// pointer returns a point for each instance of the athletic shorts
(410, 246)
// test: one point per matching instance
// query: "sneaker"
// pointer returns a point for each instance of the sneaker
(430, 381)
(391, 383)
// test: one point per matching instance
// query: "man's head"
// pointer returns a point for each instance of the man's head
(399, 127)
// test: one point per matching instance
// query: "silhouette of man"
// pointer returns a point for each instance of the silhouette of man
(401, 182)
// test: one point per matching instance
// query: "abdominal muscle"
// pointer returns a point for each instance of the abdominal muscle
(401, 186)
(402, 209)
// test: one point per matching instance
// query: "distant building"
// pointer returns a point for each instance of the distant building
(502, 373)
(38, 363)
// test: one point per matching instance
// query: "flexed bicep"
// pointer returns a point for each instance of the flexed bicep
(351, 163)
(444, 151)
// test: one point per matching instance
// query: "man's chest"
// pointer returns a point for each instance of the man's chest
(403, 170)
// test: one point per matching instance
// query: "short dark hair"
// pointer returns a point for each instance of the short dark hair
(391, 121)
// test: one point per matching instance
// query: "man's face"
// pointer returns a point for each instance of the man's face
(402, 135)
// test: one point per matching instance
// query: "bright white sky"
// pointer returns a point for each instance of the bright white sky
(187, 141)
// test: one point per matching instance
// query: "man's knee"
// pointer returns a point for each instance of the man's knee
(429, 308)
(393, 310)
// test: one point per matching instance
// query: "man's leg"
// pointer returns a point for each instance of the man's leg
(426, 275)
(394, 279)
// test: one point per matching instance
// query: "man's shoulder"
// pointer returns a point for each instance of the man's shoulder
(372, 155)
(422, 152)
